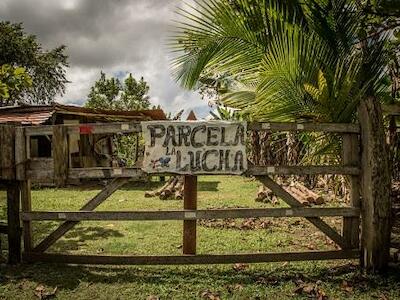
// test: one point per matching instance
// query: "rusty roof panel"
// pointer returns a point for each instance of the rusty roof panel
(32, 118)
(39, 114)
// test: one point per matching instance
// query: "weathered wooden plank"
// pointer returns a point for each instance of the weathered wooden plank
(106, 172)
(60, 154)
(14, 229)
(190, 214)
(44, 175)
(191, 259)
(91, 128)
(189, 225)
(20, 153)
(26, 206)
(92, 204)
(105, 128)
(289, 199)
(351, 157)
(323, 127)
(7, 167)
(132, 127)
(391, 109)
(302, 170)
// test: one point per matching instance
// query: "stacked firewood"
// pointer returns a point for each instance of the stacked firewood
(296, 189)
(172, 189)
(265, 195)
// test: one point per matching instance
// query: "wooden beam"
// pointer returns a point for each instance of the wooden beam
(191, 259)
(7, 157)
(391, 109)
(26, 206)
(90, 128)
(91, 205)
(60, 154)
(190, 203)
(20, 153)
(293, 202)
(14, 228)
(189, 214)
(132, 127)
(302, 170)
(351, 157)
(106, 172)
(323, 127)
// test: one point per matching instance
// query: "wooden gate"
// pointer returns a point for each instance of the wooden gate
(29, 169)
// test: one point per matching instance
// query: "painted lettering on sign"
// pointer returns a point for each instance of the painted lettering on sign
(195, 147)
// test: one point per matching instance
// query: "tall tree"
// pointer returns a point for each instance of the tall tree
(110, 93)
(13, 82)
(46, 68)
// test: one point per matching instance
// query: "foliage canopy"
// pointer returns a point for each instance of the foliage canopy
(110, 93)
(287, 61)
(46, 68)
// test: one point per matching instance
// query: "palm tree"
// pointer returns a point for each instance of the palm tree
(302, 60)
(276, 53)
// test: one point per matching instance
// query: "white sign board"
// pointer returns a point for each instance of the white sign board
(195, 147)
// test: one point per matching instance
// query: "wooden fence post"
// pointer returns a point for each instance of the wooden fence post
(7, 173)
(14, 228)
(375, 188)
(190, 202)
(351, 157)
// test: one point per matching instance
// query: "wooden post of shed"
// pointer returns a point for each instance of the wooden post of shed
(190, 203)
(21, 157)
(375, 188)
(7, 173)
(60, 154)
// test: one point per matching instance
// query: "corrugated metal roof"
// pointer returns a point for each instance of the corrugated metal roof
(32, 118)
(40, 114)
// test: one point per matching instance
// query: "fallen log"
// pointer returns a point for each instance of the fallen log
(172, 189)
(265, 195)
(314, 197)
(298, 195)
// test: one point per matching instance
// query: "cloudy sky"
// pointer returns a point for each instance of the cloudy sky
(116, 36)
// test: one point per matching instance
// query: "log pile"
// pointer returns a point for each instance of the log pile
(172, 189)
(265, 195)
(296, 189)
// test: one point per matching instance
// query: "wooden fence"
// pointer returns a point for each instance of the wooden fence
(27, 170)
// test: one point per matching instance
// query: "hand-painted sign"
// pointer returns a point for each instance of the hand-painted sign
(195, 147)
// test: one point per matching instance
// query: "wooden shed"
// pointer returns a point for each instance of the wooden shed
(85, 151)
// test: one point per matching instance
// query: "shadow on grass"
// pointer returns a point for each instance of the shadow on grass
(76, 237)
(69, 277)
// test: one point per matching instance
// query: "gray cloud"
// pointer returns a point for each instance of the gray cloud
(110, 35)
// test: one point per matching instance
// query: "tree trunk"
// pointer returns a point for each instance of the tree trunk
(375, 191)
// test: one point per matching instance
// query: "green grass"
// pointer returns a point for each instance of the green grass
(257, 281)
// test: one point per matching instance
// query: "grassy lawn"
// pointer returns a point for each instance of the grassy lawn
(300, 280)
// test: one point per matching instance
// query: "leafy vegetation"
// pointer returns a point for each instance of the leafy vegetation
(13, 81)
(276, 53)
(110, 93)
(46, 68)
